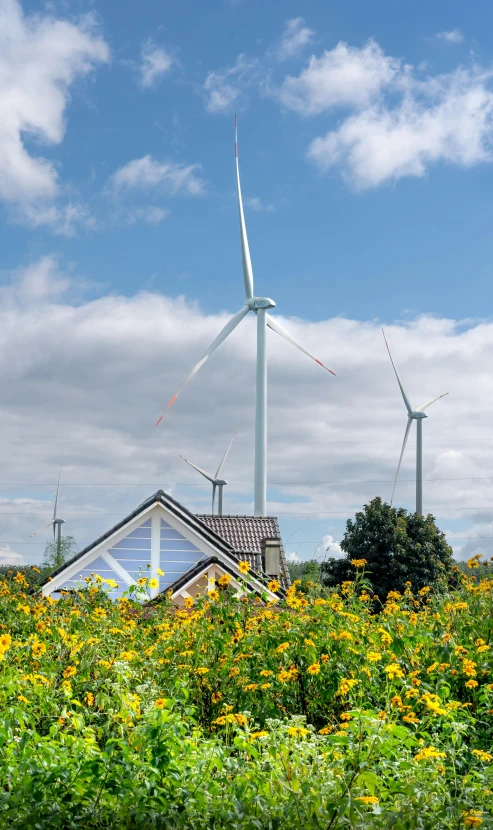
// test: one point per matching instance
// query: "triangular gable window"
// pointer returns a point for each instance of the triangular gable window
(133, 552)
(177, 555)
(97, 566)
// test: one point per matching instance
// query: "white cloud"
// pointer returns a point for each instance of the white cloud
(149, 174)
(294, 38)
(448, 118)
(343, 76)
(224, 87)
(155, 62)
(258, 204)
(87, 378)
(10, 557)
(331, 548)
(452, 36)
(40, 58)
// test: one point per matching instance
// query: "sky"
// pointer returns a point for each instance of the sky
(366, 150)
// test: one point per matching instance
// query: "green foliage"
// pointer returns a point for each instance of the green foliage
(315, 714)
(308, 571)
(54, 556)
(398, 547)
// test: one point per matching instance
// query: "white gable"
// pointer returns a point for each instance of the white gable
(155, 539)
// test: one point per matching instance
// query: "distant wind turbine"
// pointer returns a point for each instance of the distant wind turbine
(57, 523)
(413, 415)
(217, 482)
(259, 306)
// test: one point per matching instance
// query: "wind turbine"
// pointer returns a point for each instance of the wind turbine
(217, 483)
(57, 523)
(417, 415)
(259, 306)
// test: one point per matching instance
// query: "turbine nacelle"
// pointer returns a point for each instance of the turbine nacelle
(415, 416)
(260, 302)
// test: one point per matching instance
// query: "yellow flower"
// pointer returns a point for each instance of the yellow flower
(5, 641)
(70, 671)
(471, 684)
(153, 583)
(358, 563)
(282, 647)
(244, 567)
(367, 799)
(160, 703)
(472, 818)
(483, 756)
(224, 580)
(345, 686)
(274, 585)
(201, 670)
(160, 572)
(394, 670)
(89, 698)
(188, 602)
(142, 580)
(240, 719)
(261, 734)
(297, 731)
(429, 753)
(373, 656)
(216, 697)
(22, 699)
(213, 595)
(314, 668)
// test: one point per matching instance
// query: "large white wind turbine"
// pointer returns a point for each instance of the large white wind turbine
(217, 482)
(57, 523)
(417, 415)
(260, 306)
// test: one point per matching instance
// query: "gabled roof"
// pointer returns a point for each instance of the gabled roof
(203, 525)
(247, 535)
(175, 507)
(196, 570)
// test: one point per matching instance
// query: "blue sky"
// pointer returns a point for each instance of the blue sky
(365, 137)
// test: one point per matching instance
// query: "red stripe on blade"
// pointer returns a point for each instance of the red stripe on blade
(158, 422)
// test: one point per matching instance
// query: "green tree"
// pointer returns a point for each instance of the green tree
(398, 547)
(53, 558)
(308, 571)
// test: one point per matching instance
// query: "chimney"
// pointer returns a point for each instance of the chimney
(272, 557)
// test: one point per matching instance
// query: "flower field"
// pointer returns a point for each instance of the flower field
(314, 713)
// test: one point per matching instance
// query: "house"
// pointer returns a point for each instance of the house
(191, 550)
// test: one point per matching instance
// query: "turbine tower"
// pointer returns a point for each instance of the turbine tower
(260, 307)
(57, 523)
(217, 482)
(417, 415)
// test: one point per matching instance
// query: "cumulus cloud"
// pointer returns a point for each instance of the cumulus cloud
(294, 38)
(86, 378)
(448, 118)
(148, 174)
(452, 36)
(343, 76)
(155, 63)
(40, 58)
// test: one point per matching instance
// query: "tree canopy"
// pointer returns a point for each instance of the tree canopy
(398, 547)
(53, 558)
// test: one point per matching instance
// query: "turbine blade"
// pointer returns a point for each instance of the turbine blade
(57, 492)
(199, 469)
(228, 328)
(406, 399)
(226, 455)
(245, 250)
(275, 326)
(406, 436)
(426, 405)
(41, 528)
